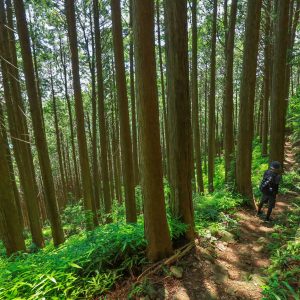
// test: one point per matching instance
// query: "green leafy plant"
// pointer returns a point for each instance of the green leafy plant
(284, 271)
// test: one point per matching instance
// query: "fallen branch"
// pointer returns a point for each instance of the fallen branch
(168, 261)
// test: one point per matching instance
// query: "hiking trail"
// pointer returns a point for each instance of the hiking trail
(231, 266)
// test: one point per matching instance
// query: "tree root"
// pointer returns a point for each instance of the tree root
(167, 261)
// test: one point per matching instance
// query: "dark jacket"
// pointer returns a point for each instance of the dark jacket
(270, 183)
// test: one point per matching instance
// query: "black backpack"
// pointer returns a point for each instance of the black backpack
(267, 183)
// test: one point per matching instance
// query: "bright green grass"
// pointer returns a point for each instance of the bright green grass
(89, 263)
(86, 264)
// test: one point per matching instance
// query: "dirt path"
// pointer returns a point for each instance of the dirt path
(227, 270)
(231, 266)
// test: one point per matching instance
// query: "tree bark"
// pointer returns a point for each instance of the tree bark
(179, 114)
(212, 104)
(37, 122)
(58, 143)
(12, 230)
(18, 126)
(11, 168)
(77, 188)
(156, 227)
(195, 108)
(228, 102)
(126, 146)
(133, 106)
(278, 94)
(267, 79)
(247, 95)
(163, 93)
(101, 112)
(88, 195)
(293, 23)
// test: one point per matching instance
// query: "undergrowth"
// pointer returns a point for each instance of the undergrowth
(284, 272)
(89, 264)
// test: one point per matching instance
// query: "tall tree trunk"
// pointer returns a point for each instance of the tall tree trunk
(267, 79)
(133, 108)
(58, 143)
(116, 139)
(278, 94)
(116, 156)
(110, 167)
(37, 122)
(77, 188)
(96, 180)
(293, 23)
(179, 113)
(163, 93)
(18, 127)
(92, 125)
(101, 112)
(212, 104)
(88, 196)
(228, 101)
(205, 120)
(66, 162)
(12, 230)
(156, 227)
(195, 108)
(126, 146)
(247, 96)
(11, 169)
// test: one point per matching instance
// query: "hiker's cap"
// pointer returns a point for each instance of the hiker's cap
(275, 165)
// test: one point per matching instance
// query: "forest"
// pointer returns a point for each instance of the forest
(135, 139)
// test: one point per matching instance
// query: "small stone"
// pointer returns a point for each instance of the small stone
(262, 240)
(210, 295)
(176, 271)
(181, 295)
(233, 275)
(195, 264)
(221, 274)
(231, 291)
(220, 278)
(258, 248)
(221, 246)
(227, 237)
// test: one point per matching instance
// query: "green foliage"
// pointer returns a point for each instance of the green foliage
(219, 177)
(213, 211)
(290, 182)
(73, 219)
(284, 271)
(87, 264)
(294, 116)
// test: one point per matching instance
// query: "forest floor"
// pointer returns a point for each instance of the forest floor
(228, 266)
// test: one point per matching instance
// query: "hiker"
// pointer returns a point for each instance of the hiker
(269, 188)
